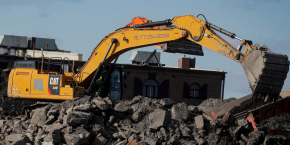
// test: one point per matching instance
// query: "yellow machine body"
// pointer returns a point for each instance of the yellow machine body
(30, 84)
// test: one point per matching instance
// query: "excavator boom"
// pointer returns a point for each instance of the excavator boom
(259, 63)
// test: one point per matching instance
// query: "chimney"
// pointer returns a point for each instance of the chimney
(186, 62)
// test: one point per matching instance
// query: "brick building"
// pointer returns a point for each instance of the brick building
(183, 84)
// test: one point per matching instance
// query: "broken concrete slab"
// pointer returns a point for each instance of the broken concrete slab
(133, 137)
(124, 142)
(2, 122)
(32, 128)
(39, 117)
(136, 99)
(54, 110)
(141, 143)
(150, 141)
(78, 118)
(243, 122)
(79, 137)
(199, 140)
(199, 122)
(272, 139)
(98, 129)
(166, 102)
(109, 100)
(55, 138)
(53, 128)
(47, 143)
(122, 107)
(180, 112)
(82, 107)
(50, 119)
(100, 140)
(17, 139)
(30, 136)
(101, 103)
(193, 109)
(137, 116)
(158, 118)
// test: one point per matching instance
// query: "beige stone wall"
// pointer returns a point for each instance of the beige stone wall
(70, 56)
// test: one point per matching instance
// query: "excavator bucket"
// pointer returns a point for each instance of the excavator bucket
(266, 72)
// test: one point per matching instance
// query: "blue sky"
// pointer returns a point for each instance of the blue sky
(79, 25)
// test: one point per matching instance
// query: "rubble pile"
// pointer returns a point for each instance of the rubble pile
(211, 103)
(279, 122)
(8, 106)
(140, 121)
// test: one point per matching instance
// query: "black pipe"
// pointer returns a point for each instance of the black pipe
(100, 68)
(113, 40)
(157, 23)
(230, 34)
(97, 75)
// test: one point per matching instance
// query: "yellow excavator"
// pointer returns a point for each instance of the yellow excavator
(266, 71)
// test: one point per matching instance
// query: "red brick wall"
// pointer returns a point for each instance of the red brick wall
(176, 78)
(186, 63)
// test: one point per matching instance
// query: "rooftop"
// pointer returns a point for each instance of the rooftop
(170, 67)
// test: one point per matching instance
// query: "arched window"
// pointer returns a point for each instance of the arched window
(194, 91)
(150, 88)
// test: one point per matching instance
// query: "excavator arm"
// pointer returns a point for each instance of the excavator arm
(184, 27)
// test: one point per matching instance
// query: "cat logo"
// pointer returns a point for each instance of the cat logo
(53, 84)
(54, 81)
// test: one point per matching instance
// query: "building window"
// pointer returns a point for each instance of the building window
(150, 88)
(194, 91)
(115, 89)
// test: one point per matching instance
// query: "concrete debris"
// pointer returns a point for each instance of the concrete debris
(242, 122)
(78, 118)
(199, 122)
(32, 128)
(180, 112)
(47, 143)
(141, 121)
(122, 107)
(124, 142)
(158, 118)
(82, 107)
(54, 110)
(50, 119)
(79, 137)
(17, 139)
(39, 117)
(271, 139)
(166, 102)
(101, 103)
